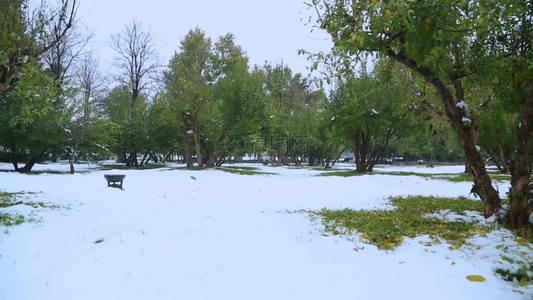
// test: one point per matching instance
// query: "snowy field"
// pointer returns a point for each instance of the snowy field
(178, 234)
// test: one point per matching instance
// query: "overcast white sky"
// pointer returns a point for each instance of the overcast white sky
(271, 30)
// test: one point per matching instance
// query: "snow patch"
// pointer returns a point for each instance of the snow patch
(462, 105)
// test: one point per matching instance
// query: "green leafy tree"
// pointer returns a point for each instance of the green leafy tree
(371, 109)
(237, 97)
(188, 83)
(287, 98)
(32, 121)
(129, 121)
(451, 44)
(163, 129)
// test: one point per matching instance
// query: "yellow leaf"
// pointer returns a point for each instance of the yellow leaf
(499, 246)
(453, 263)
(522, 243)
(517, 291)
(523, 281)
(388, 13)
(477, 278)
(361, 239)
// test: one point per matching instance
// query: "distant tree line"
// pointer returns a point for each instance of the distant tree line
(206, 107)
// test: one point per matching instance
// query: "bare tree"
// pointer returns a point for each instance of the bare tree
(136, 61)
(136, 57)
(42, 29)
(60, 58)
(86, 114)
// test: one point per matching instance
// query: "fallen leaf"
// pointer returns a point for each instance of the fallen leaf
(477, 278)
(524, 281)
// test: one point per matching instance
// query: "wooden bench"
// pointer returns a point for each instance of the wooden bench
(115, 180)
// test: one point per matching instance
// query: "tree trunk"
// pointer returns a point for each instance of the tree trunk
(361, 142)
(73, 156)
(186, 146)
(499, 158)
(467, 131)
(520, 167)
(13, 155)
(221, 161)
(338, 156)
(144, 160)
(214, 156)
(463, 126)
(198, 145)
(29, 165)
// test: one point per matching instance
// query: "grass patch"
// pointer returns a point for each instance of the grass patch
(244, 172)
(467, 177)
(107, 167)
(6, 199)
(7, 219)
(453, 177)
(193, 168)
(11, 199)
(241, 168)
(11, 219)
(386, 228)
(346, 173)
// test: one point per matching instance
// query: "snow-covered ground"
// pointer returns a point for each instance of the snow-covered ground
(178, 234)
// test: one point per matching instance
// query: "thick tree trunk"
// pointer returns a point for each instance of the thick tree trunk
(467, 129)
(463, 126)
(215, 155)
(29, 165)
(13, 155)
(520, 167)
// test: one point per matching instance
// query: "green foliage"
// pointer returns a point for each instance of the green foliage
(7, 219)
(371, 109)
(32, 121)
(386, 228)
(6, 199)
(452, 177)
(522, 275)
(127, 124)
